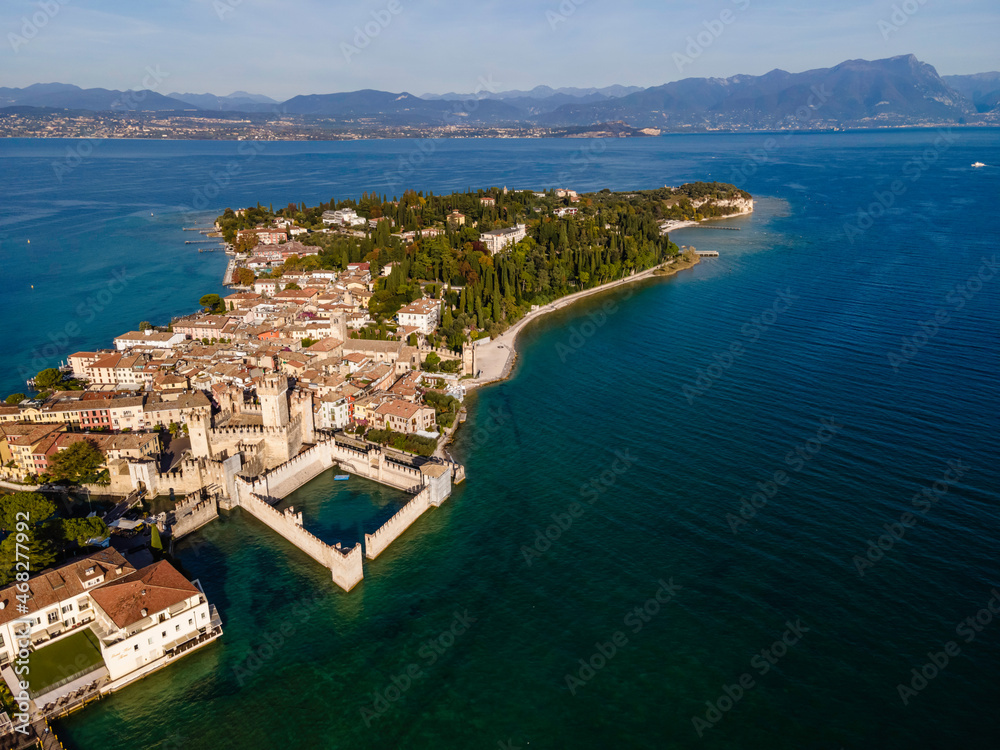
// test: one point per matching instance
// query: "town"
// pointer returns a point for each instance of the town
(350, 339)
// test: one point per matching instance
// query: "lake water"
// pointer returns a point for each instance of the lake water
(829, 373)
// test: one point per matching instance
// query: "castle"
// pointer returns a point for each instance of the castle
(250, 456)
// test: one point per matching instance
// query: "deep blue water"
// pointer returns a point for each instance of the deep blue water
(658, 419)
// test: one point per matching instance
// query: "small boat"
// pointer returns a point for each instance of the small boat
(978, 164)
(342, 477)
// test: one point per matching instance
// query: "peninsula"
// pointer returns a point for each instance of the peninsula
(349, 341)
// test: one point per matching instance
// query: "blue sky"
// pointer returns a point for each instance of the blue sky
(285, 47)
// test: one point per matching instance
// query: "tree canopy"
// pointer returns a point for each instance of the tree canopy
(79, 464)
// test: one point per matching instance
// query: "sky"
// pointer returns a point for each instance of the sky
(281, 48)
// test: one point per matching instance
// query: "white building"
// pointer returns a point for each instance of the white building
(566, 211)
(343, 217)
(424, 315)
(498, 239)
(138, 620)
(149, 338)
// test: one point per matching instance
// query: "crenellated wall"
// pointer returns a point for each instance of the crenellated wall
(376, 543)
(345, 567)
(192, 513)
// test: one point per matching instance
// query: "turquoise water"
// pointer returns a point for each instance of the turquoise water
(633, 439)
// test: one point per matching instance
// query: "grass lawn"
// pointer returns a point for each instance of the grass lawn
(57, 661)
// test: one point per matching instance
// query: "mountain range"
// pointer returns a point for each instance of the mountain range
(894, 91)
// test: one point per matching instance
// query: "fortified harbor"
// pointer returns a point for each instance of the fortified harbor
(255, 465)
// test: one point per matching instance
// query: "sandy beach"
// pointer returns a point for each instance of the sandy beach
(496, 359)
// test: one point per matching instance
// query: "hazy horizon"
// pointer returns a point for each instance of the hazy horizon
(304, 47)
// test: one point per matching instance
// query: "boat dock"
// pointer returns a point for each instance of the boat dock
(707, 253)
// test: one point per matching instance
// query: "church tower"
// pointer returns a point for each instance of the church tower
(273, 394)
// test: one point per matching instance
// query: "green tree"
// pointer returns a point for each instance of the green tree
(79, 530)
(78, 464)
(48, 379)
(32, 508)
(40, 554)
(145, 326)
(293, 286)
(14, 399)
(211, 301)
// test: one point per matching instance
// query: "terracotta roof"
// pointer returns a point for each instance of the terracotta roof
(153, 589)
(64, 582)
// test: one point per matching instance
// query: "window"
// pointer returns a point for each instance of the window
(202, 615)
(163, 634)
(135, 647)
(53, 616)
(149, 642)
(190, 622)
(1, 640)
(83, 605)
(67, 608)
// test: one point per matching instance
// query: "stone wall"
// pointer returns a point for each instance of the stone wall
(192, 513)
(375, 544)
(345, 566)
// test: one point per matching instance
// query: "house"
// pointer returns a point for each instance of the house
(264, 235)
(123, 623)
(566, 211)
(404, 416)
(498, 239)
(423, 314)
(343, 217)
(268, 287)
(148, 338)
(79, 362)
(242, 300)
(456, 218)
(488, 201)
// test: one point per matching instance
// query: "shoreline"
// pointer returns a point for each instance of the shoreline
(504, 347)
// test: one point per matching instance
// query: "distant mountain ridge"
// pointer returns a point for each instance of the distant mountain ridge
(856, 93)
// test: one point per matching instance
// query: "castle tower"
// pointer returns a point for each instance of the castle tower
(273, 394)
(338, 326)
(302, 406)
(199, 426)
(469, 359)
